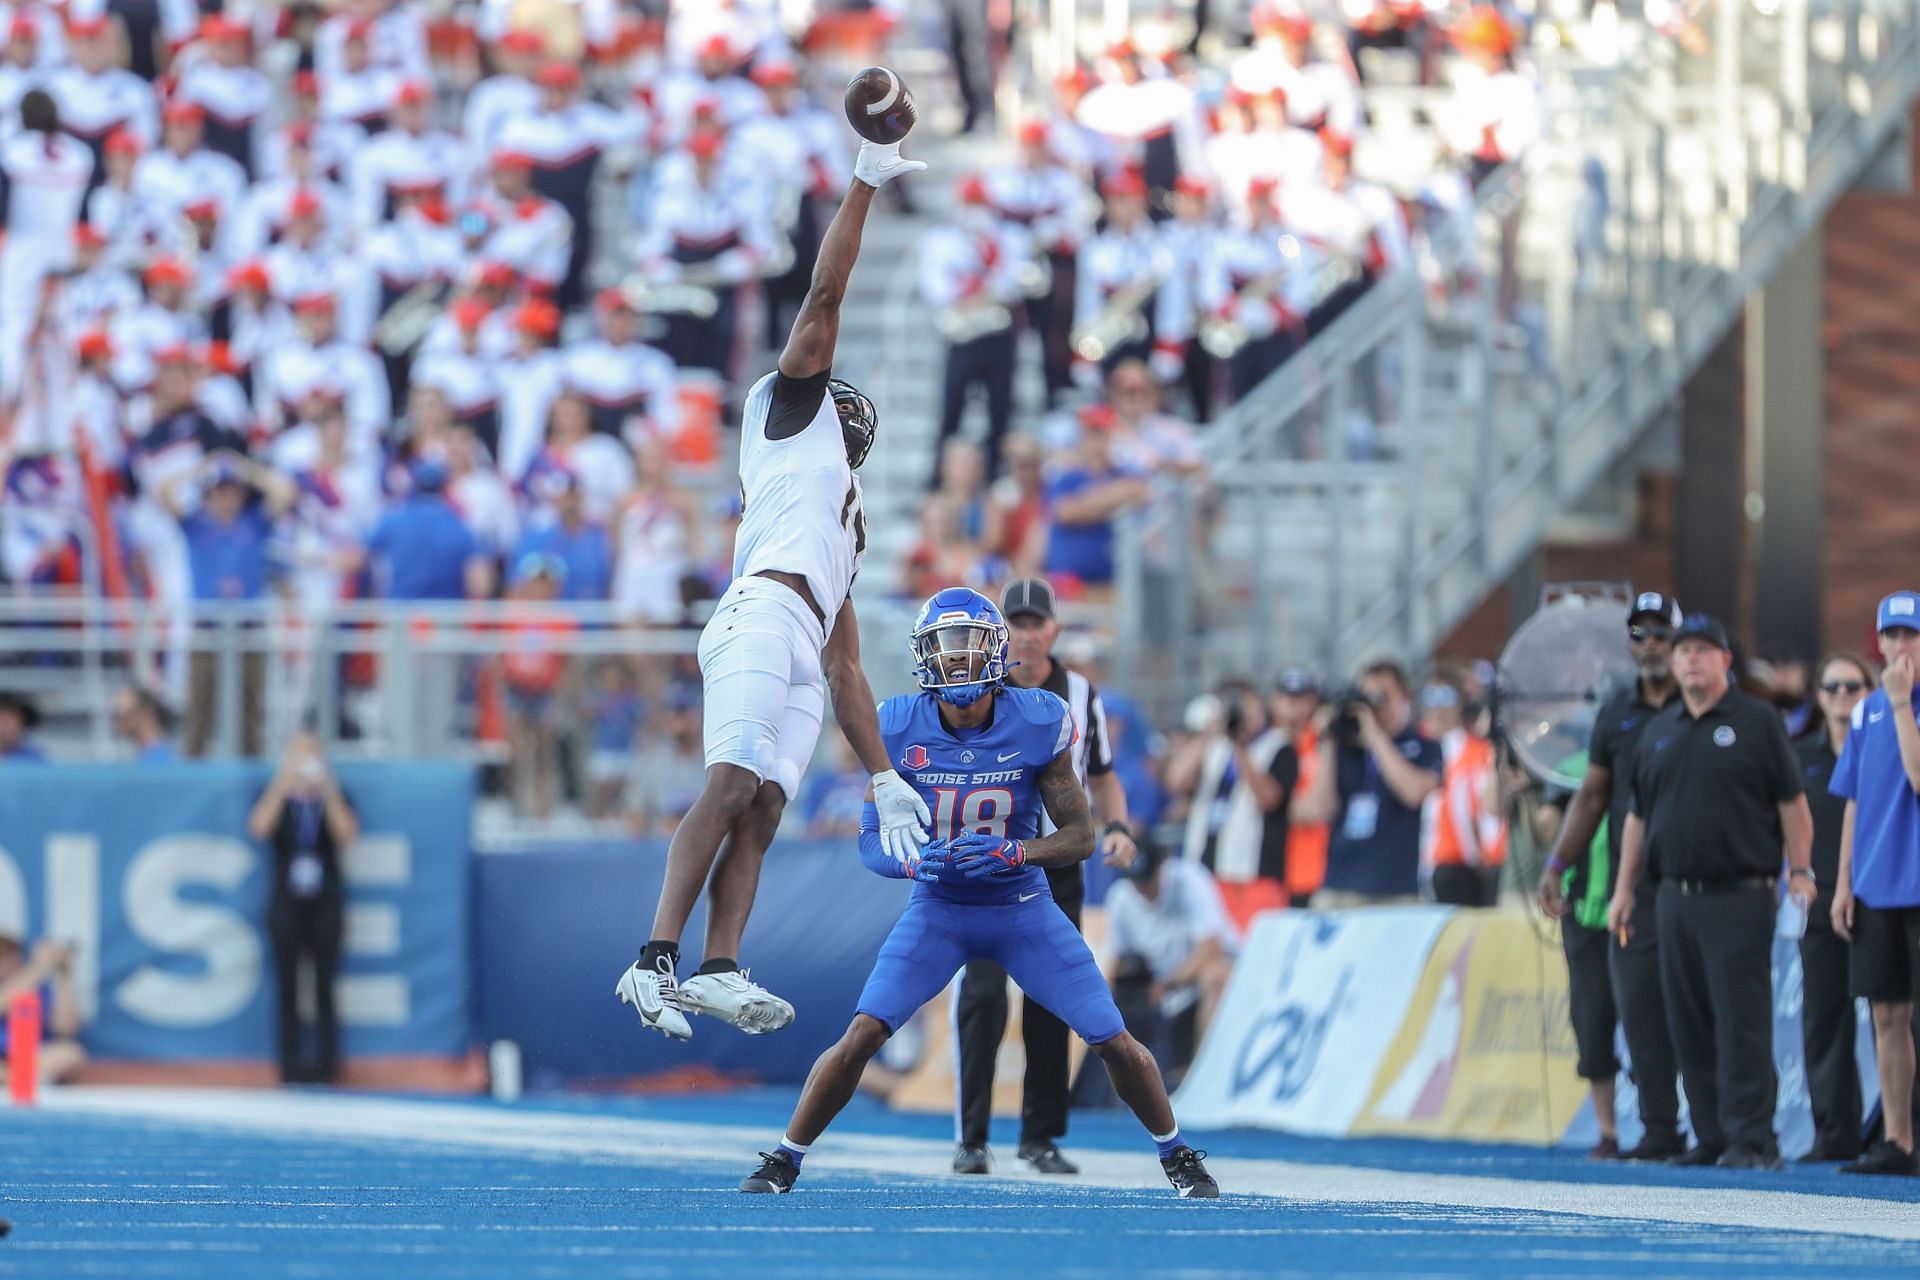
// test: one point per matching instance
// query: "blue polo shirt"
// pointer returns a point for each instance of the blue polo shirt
(584, 551)
(1886, 814)
(425, 546)
(1083, 550)
(229, 561)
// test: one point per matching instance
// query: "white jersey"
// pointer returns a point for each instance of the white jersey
(802, 511)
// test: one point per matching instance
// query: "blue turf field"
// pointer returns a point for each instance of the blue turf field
(197, 1185)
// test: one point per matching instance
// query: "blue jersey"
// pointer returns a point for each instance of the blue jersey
(984, 779)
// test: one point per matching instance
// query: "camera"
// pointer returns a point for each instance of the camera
(1345, 726)
(1236, 719)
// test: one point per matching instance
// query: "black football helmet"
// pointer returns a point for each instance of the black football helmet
(858, 421)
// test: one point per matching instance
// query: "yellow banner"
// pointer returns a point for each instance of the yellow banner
(1485, 1051)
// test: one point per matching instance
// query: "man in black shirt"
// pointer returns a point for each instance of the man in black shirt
(982, 1007)
(1717, 795)
(1607, 980)
(1827, 1026)
(308, 822)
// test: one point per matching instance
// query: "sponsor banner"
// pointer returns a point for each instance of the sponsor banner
(150, 873)
(558, 925)
(1486, 1050)
(1315, 1001)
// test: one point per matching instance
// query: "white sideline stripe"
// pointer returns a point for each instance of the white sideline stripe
(631, 1141)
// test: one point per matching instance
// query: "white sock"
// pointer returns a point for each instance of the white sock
(1166, 1137)
(791, 1145)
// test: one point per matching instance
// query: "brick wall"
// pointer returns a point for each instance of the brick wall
(1872, 455)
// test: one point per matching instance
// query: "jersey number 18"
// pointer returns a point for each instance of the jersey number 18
(985, 809)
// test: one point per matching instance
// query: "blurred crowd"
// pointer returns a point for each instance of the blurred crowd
(431, 292)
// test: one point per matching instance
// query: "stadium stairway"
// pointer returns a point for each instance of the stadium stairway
(1388, 478)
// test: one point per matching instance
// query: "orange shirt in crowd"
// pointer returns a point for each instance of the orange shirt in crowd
(1462, 831)
(1306, 841)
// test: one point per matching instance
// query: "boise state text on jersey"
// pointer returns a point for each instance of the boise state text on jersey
(984, 779)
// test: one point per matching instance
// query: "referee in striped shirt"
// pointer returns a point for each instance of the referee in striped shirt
(980, 1013)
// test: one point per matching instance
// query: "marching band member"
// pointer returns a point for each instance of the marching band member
(630, 387)
(970, 279)
(1058, 210)
(1115, 277)
(1257, 292)
(230, 89)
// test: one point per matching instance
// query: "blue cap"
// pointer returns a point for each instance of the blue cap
(429, 475)
(540, 564)
(1701, 626)
(1901, 609)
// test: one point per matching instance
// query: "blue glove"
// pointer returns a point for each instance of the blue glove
(978, 856)
(929, 861)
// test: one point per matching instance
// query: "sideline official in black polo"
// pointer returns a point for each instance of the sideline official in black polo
(981, 1009)
(1607, 979)
(1717, 796)
(1828, 1026)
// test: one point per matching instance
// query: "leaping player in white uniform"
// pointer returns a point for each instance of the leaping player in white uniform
(782, 637)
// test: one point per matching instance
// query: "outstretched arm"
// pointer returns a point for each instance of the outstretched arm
(816, 329)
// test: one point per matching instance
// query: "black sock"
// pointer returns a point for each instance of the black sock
(720, 964)
(651, 953)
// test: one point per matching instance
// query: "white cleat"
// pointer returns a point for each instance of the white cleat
(656, 997)
(733, 997)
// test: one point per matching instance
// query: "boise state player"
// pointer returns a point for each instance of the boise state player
(984, 756)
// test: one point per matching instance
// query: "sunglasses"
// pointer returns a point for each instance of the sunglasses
(1842, 686)
(1641, 634)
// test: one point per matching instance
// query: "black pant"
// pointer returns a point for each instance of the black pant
(1827, 1030)
(1248, 367)
(1590, 1004)
(982, 1018)
(987, 362)
(1641, 1000)
(1716, 974)
(307, 928)
(1460, 885)
(1050, 316)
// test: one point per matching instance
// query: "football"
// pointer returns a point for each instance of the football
(878, 106)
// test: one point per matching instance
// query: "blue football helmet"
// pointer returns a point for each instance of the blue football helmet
(960, 646)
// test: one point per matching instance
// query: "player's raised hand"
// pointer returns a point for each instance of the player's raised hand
(904, 819)
(878, 163)
(977, 856)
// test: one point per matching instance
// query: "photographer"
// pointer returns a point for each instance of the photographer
(1377, 770)
(48, 969)
(308, 822)
(1242, 773)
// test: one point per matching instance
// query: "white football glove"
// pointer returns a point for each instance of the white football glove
(904, 819)
(877, 164)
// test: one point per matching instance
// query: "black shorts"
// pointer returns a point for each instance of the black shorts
(1884, 963)
(1590, 1004)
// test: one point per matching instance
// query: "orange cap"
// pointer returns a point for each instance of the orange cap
(470, 313)
(167, 271)
(539, 317)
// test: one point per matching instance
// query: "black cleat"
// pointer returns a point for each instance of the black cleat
(1697, 1157)
(1883, 1157)
(1654, 1149)
(972, 1158)
(775, 1176)
(1751, 1158)
(1189, 1176)
(1044, 1157)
